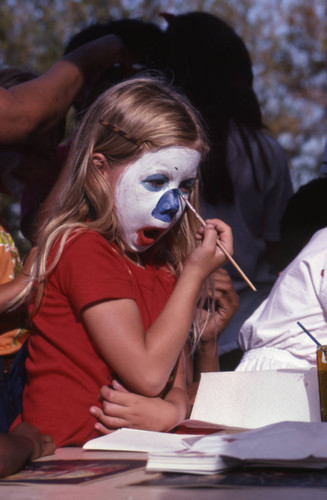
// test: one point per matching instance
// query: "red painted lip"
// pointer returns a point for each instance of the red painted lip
(148, 235)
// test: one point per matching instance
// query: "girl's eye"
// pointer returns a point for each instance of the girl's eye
(155, 182)
(187, 185)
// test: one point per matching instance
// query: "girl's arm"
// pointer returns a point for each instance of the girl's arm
(121, 408)
(144, 360)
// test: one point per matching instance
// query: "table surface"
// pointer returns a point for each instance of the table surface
(122, 485)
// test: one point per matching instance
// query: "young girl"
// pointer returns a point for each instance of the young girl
(118, 272)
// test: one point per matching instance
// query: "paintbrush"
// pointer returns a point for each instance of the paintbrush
(222, 248)
(309, 334)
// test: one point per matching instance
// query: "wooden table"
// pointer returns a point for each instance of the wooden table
(120, 486)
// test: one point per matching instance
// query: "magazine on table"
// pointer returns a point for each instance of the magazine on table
(285, 444)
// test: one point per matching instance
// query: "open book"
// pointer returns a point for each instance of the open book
(229, 401)
(247, 400)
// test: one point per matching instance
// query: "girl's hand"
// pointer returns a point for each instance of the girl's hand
(121, 408)
(208, 257)
(223, 230)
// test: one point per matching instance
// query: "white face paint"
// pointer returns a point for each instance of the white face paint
(147, 194)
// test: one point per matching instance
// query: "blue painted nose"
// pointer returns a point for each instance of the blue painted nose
(168, 206)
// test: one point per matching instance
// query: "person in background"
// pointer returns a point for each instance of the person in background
(245, 179)
(271, 337)
(29, 169)
(24, 443)
(13, 324)
(304, 215)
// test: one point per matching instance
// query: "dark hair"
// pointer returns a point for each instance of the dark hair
(304, 215)
(145, 42)
(212, 65)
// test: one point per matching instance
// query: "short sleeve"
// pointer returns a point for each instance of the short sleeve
(91, 270)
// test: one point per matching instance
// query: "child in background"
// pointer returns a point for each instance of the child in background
(12, 324)
(118, 273)
(245, 179)
(25, 442)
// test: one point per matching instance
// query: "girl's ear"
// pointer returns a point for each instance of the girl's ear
(99, 161)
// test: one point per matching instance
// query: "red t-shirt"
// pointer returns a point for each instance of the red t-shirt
(64, 370)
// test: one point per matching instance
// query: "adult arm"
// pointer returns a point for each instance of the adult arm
(44, 101)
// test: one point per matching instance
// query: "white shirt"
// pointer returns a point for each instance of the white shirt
(271, 337)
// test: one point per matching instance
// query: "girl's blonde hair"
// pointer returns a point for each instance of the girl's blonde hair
(151, 115)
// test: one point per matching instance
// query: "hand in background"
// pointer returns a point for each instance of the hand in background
(226, 304)
(205, 357)
(40, 444)
(23, 444)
